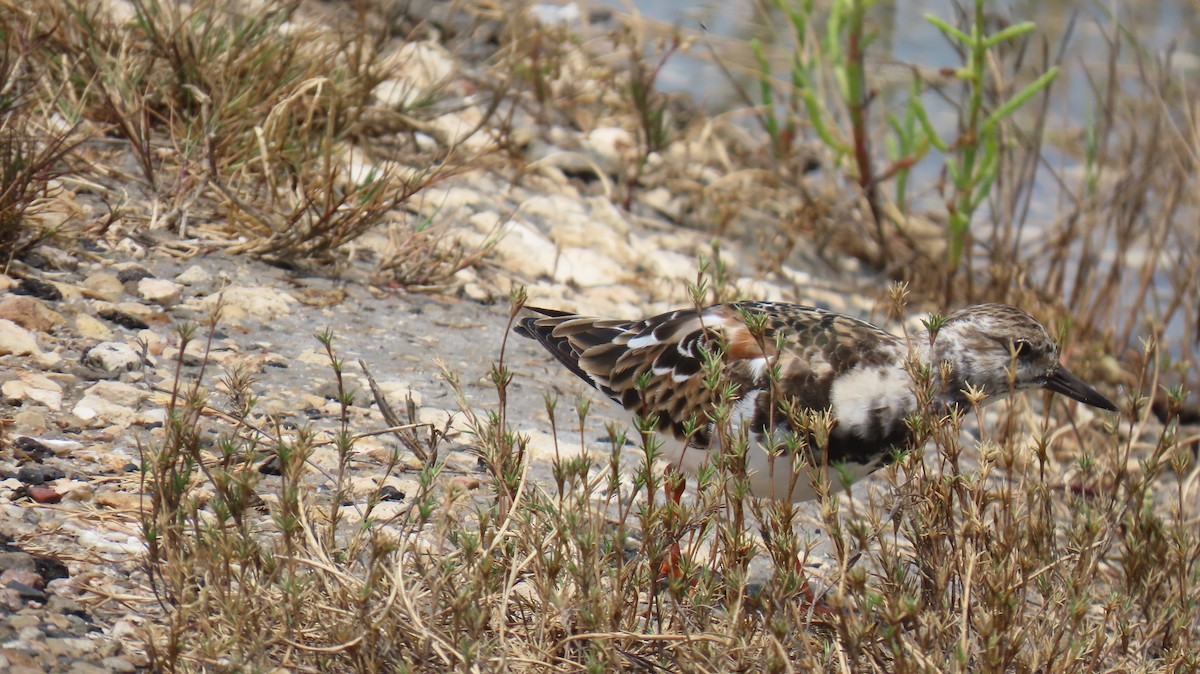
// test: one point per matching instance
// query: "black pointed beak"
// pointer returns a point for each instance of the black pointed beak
(1062, 381)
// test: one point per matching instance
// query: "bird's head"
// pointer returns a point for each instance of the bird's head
(997, 349)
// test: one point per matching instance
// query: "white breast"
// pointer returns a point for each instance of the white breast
(866, 397)
(768, 479)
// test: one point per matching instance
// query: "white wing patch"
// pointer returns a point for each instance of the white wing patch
(758, 367)
(642, 341)
(862, 393)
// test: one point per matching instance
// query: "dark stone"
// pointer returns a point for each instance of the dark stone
(128, 321)
(50, 568)
(39, 474)
(390, 493)
(26, 591)
(133, 275)
(67, 606)
(15, 560)
(32, 448)
(271, 466)
(41, 494)
(39, 289)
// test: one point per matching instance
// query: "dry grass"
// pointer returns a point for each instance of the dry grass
(35, 142)
(246, 127)
(1061, 548)
(1042, 545)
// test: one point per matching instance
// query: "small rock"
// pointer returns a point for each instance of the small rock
(36, 475)
(64, 605)
(159, 291)
(112, 357)
(132, 274)
(27, 592)
(549, 155)
(525, 250)
(587, 268)
(466, 482)
(551, 210)
(361, 486)
(123, 319)
(25, 621)
(419, 66)
(611, 147)
(91, 328)
(119, 500)
(117, 392)
(556, 15)
(428, 63)
(30, 312)
(81, 492)
(93, 408)
(390, 493)
(395, 93)
(11, 601)
(315, 297)
(118, 665)
(47, 360)
(28, 577)
(664, 201)
(32, 448)
(193, 276)
(45, 495)
(62, 446)
(17, 561)
(38, 288)
(29, 420)
(69, 647)
(451, 200)
(600, 229)
(261, 303)
(454, 129)
(128, 248)
(35, 387)
(50, 568)
(472, 290)
(112, 543)
(126, 629)
(16, 340)
(138, 309)
(50, 257)
(665, 264)
(104, 286)
(398, 393)
(271, 466)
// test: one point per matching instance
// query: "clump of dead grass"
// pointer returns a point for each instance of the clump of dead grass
(252, 127)
(36, 139)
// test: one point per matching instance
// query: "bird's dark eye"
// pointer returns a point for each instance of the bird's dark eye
(1022, 348)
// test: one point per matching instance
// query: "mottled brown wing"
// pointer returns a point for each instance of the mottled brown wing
(568, 336)
(656, 366)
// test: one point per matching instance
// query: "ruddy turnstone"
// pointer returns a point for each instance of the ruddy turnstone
(826, 361)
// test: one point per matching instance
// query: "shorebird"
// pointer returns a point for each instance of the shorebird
(825, 362)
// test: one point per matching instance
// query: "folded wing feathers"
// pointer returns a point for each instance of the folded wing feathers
(612, 355)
